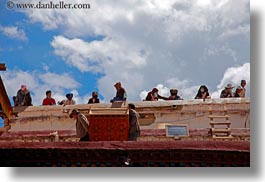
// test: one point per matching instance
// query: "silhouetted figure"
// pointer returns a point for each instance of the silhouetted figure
(154, 96)
(174, 95)
(203, 93)
(23, 97)
(238, 91)
(120, 94)
(69, 101)
(227, 92)
(243, 92)
(94, 98)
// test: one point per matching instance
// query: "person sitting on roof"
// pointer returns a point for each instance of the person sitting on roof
(174, 95)
(94, 98)
(69, 101)
(154, 96)
(238, 91)
(23, 97)
(243, 92)
(203, 93)
(48, 101)
(227, 92)
(120, 94)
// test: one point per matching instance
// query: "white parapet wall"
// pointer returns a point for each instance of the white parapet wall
(154, 114)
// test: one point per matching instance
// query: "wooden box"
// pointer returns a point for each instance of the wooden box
(110, 124)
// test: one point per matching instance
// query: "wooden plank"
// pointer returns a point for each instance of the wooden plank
(212, 116)
(221, 130)
(4, 100)
(222, 137)
(220, 123)
(2, 67)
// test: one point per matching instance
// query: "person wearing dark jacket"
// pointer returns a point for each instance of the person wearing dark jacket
(174, 95)
(239, 89)
(227, 92)
(154, 96)
(94, 98)
(23, 97)
(203, 93)
(120, 94)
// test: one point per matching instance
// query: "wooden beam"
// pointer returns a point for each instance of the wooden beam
(4, 100)
(2, 67)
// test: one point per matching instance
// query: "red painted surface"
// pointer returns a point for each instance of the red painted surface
(108, 127)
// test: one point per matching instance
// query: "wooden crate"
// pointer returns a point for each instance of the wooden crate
(110, 124)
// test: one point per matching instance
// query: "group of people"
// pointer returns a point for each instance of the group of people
(23, 97)
(203, 93)
(82, 124)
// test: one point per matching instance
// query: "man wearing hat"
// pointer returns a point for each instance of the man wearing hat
(69, 101)
(227, 92)
(82, 125)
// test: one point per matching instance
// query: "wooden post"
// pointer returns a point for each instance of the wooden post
(2, 67)
(4, 100)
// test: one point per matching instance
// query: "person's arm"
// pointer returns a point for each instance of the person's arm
(161, 97)
(204, 95)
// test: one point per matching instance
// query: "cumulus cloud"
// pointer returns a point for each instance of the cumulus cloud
(172, 43)
(96, 56)
(14, 32)
(38, 83)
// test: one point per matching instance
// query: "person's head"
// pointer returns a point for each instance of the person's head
(173, 92)
(243, 83)
(74, 113)
(94, 94)
(48, 94)
(203, 89)
(23, 88)
(155, 92)
(131, 106)
(239, 89)
(229, 87)
(69, 96)
(117, 85)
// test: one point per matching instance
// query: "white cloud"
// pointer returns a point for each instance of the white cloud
(14, 33)
(175, 43)
(95, 56)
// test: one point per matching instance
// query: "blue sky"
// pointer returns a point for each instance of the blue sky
(143, 44)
